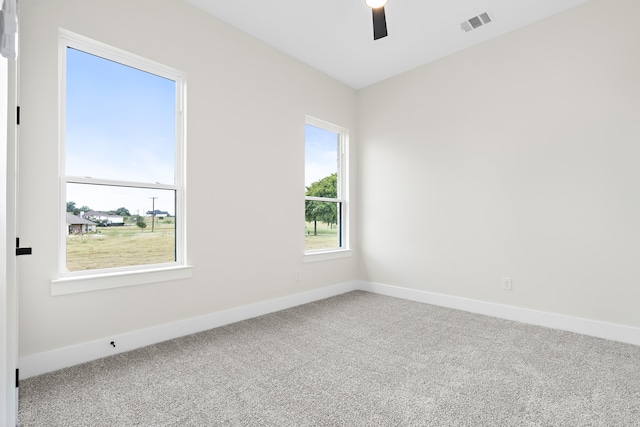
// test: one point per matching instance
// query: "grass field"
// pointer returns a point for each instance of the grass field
(129, 245)
(327, 237)
(122, 246)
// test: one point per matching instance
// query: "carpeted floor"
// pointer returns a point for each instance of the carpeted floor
(358, 359)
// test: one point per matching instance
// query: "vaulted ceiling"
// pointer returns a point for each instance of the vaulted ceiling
(336, 36)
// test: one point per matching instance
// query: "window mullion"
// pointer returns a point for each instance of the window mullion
(323, 199)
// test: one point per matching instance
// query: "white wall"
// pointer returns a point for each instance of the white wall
(246, 109)
(514, 158)
(518, 157)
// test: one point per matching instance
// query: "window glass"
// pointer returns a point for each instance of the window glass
(120, 121)
(324, 201)
(133, 226)
(121, 181)
(323, 225)
(321, 148)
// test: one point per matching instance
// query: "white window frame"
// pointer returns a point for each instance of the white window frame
(88, 280)
(343, 195)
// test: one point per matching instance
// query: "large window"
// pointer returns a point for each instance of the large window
(325, 186)
(121, 161)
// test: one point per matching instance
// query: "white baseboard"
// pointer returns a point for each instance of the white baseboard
(54, 360)
(594, 328)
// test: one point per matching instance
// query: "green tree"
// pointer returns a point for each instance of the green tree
(123, 212)
(72, 209)
(141, 223)
(326, 212)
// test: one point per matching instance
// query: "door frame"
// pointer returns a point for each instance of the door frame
(8, 284)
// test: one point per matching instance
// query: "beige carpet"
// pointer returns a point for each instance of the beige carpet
(358, 359)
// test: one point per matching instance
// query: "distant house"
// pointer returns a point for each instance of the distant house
(103, 218)
(158, 213)
(79, 225)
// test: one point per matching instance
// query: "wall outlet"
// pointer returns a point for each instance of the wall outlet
(506, 283)
(298, 276)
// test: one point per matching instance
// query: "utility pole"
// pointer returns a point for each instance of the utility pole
(153, 212)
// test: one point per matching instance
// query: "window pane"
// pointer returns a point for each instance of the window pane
(322, 227)
(120, 121)
(111, 226)
(321, 149)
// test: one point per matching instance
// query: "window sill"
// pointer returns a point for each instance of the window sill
(327, 255)
(77, 284)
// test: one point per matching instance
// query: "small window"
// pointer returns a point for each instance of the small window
(122, 192)
(325, 187)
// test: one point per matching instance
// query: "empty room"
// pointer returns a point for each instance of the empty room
(400, 212)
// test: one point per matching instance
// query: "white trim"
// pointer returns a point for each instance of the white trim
(94, 47)
(115, 183)
(76, 284)
(6, 397)
(343, 179)
(322, 124)
(97, 279)
(327, 255)
(8, 288)
(53, 360)
(49, 361)
(324, 199)
(594, 328)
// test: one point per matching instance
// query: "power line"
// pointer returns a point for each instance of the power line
(153, 212)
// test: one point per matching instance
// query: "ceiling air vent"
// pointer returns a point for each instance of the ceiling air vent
(476, 21)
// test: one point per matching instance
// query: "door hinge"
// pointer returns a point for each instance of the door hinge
(18, 115)
(17, 378)
(21, 251)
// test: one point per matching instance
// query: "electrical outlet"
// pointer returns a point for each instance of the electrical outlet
(506, 283)
(298, 276)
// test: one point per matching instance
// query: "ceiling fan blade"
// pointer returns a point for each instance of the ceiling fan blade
(379, 23)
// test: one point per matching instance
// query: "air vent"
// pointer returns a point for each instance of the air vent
(476, 21)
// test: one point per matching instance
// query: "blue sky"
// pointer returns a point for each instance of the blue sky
(120, 125)
(321, 154)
